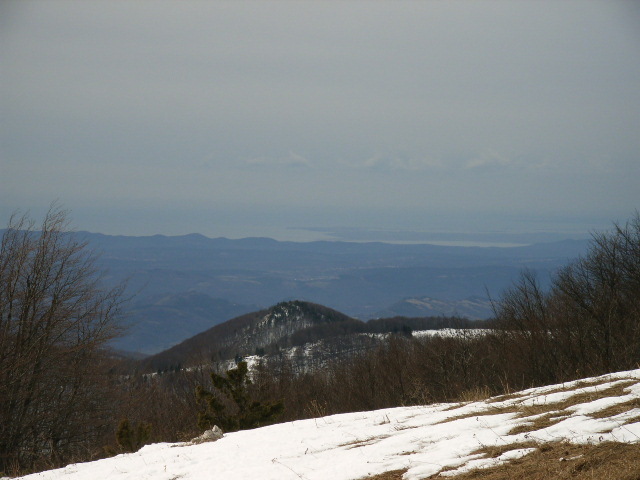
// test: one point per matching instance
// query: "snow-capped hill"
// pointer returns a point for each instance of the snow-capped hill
(247, 334)
(414, 442)
(306, 333)
(285, 319)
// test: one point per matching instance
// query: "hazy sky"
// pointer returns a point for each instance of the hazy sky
(182, 116)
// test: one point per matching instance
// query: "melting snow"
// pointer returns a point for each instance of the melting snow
(422, 440)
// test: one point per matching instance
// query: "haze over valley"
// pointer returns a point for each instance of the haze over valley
(185, 284)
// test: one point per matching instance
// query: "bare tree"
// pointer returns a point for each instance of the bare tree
(529, 331)
(588, 323)
(601, 291)
(55, 319)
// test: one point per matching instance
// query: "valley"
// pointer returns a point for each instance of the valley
(227, 278)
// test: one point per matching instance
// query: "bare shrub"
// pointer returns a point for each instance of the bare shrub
(588, 323)
(55, 319)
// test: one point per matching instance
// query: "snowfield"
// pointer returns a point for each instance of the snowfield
(422, 440)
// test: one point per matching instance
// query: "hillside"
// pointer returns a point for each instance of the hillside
(307, 333)
(579, 430)
(246, 334)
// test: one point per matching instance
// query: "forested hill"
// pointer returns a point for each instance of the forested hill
(287, 325)
(245, 334)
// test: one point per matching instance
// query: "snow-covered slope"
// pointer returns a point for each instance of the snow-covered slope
(420, 440)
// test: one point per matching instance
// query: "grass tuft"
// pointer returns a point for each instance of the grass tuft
(392, 475)
(554, 409)
(617, 409)
(562, 461)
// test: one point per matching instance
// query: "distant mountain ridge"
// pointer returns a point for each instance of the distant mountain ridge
(363, 280)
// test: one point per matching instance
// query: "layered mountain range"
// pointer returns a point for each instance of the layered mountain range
(183, 285)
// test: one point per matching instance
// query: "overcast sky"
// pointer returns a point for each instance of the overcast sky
(178, 117)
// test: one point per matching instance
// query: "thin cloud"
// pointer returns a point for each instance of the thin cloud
(489, 159)
(381, 162)
(293, 159)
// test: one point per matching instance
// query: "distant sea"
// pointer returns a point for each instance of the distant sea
(458, 239)
(471, 232)
(367, 226)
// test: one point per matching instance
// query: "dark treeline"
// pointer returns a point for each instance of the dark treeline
(402, 325)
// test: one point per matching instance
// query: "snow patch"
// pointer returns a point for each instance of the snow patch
(423, 440)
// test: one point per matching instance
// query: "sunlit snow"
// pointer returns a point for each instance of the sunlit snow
(421, 440)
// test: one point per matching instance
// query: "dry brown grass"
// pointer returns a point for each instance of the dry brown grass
(454, 406)
(617, 409)
(475, 394)
(505, 397)
(562, 461)
(362, 442)
(538, 424)
(481, 413)
(550, 408)
(497, 450)
(580, 384)
(555, 461)
(393, 475)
